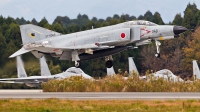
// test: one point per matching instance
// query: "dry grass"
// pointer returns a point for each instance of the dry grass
(118, 84)
(56, 105)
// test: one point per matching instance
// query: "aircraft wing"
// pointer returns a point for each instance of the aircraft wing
(87, 46)
(27, 79)
(11, 82)
(109, 43)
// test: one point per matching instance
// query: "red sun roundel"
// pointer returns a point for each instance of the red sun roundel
(123, 35)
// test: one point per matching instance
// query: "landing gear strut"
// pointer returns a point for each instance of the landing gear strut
(75, 58)
(157, 55)
(108, 60)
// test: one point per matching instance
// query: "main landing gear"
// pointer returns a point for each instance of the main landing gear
(157, 55)
(109, 62)
(77, 64)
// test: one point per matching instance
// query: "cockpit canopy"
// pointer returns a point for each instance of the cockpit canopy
(74, 70)
(165, 72)
(141, 22)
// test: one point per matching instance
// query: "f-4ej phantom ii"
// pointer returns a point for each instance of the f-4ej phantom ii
(94, 43)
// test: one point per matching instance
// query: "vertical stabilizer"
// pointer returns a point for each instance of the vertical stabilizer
(44, 67)
(196, 71)
(110, 71)
(20, 68)
(31, 33)
(132, 67)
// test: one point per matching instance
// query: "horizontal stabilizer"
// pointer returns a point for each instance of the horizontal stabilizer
(19, 52)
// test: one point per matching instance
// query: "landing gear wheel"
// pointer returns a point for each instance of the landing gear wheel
(109, 64)
(77, 63)
(157, 55)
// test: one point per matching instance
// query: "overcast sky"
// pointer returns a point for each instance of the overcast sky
(50, 9)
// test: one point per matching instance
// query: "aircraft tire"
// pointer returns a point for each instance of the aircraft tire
(109, 64)
(157, 55)
(78, 64)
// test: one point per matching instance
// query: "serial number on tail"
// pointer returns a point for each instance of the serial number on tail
(50, 35)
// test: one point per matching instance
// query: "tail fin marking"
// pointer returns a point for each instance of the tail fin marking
(31, 33)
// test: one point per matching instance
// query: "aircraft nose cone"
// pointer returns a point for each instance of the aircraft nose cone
(179, 29)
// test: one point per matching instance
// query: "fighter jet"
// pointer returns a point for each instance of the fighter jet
(94, 43)
(165, 73)
(35, 81)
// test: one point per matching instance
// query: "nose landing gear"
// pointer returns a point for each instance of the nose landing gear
(157, 55)
(77, 63)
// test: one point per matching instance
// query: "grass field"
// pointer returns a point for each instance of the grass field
(57, 105)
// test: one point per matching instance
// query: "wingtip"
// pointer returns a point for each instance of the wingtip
(11, 56)
(19, 52)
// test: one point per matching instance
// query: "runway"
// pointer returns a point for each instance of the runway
(38, 94)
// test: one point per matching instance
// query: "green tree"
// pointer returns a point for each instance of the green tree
(148, 16)
(33, 21)
(54, 69)
(116, 16)
(192, 51)
(13, 33)
(122, 18)
(1, 20)
(197, 18)
(108, 19)
(129, 18)
(43, 22)
(189, 16)
(94, 19)
(65, 21)
(2, 50)
(177, 20)
(58, 28)
(157, 19)
(10, 20)
(21, 21)
(141, 17)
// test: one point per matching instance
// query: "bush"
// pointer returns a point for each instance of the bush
(118, 84)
